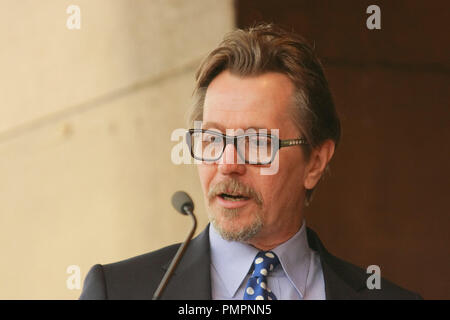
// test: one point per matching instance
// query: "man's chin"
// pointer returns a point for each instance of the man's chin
(232, 227)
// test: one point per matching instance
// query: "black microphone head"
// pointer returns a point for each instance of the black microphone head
(181, 200)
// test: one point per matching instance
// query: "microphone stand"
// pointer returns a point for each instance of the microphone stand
(176, 259)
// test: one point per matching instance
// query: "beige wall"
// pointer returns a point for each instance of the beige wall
(85, 123)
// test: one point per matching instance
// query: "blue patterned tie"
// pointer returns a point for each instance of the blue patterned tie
(257, 289)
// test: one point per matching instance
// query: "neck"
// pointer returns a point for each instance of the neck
(271, 239)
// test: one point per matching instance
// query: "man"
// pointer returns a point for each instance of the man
(268, 132)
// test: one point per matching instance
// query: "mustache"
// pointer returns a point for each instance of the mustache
(234, 186)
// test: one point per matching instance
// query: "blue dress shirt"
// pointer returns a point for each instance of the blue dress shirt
(298, 276)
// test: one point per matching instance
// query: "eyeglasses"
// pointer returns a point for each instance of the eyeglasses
(252, 148)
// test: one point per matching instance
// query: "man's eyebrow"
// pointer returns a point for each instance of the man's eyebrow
(216, 125)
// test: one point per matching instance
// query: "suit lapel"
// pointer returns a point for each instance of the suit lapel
(336, 288)
(340, 281)
(191, 280)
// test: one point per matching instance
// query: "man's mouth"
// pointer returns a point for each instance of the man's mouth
(233, 197)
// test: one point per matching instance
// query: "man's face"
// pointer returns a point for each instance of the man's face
(270, 210)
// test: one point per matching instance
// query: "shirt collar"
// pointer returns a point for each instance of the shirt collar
(295, 256)
(233, 260)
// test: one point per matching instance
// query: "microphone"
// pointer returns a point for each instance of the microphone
(183, 203)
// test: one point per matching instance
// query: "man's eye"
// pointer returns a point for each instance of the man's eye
(258, 142)
(262, 142)
(211, 139)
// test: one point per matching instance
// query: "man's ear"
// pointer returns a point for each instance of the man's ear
(317, 163)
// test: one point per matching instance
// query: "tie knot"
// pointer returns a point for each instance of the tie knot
(265, 262)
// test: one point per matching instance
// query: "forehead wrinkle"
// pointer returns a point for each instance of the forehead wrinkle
(247, 121)
(245, 93)
(253, 102)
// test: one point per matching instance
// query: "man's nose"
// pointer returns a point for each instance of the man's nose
(230, 161)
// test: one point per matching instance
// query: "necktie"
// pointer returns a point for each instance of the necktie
(257, 289)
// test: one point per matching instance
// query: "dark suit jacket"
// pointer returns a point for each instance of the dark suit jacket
(138, 277)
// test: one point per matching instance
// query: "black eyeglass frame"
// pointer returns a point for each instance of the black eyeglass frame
(234, 141)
